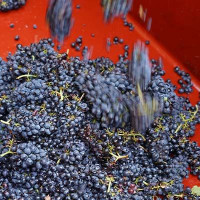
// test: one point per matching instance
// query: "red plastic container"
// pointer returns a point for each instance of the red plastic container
(89, 20)
(175, 24)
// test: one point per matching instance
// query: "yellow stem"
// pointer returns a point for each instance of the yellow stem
(7, 123)
(81, 97)
(6, 153)
(140, 136)
(26, 75)
(58, 162)
(61, 94)
(118, 157)
(109, 186)
(178, 128)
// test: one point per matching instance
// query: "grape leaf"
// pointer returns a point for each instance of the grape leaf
(196, 190)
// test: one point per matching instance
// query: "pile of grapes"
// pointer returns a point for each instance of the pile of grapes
(6, 5)
(73, 129)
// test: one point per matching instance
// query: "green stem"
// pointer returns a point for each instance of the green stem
(6, 153)
(6, 122)
(118, 157)
(61, 95)
(26, 75)
(109, 186)
(140, 136)
(178, 128)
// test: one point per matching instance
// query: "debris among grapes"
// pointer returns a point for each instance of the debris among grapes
(196, 191)
(48, 198)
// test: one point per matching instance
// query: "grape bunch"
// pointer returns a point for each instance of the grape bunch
(58, 16)
(32, 91)
(31, 122)
(30, 155)
(107, 101)
(6, 5)
(146, 105)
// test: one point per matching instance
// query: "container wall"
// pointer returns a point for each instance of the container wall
(176, 25)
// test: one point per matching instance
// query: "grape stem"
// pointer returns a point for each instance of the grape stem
(118, 157)
(9, 151)
(187, 120)
(26, 75)
(6, 122)
(6, 153)
(109, 179)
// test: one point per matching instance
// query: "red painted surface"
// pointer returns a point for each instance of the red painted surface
(175, 24)
(88, 20)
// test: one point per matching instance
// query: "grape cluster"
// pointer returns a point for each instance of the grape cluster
(140, 70)
(6, 5)
(34, 91)
(58, 16)
(115, 8)
(184, 82)
(146, 105)
(107, 100)
(31, 122)
(30, 155)
(74, 129)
